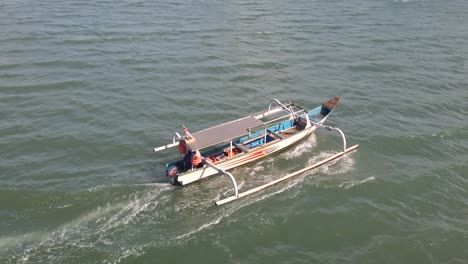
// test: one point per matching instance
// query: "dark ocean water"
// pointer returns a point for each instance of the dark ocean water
(87, 88)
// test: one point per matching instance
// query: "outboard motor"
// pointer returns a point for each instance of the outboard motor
(172, 172)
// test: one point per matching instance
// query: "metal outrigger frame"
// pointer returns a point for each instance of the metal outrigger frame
(238, 195)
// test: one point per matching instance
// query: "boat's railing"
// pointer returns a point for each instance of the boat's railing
(282, 117)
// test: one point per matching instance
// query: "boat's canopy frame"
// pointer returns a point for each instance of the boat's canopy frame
(223, 133)
(238, 128)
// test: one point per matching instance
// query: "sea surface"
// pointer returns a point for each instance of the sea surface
(88, 88)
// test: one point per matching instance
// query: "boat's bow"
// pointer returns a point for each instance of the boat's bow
(320, 113)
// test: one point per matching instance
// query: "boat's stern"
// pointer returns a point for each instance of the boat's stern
(172, 172)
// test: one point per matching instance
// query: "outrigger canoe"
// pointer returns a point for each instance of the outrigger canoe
(223, 147)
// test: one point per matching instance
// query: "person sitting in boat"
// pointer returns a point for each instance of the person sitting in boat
(197, 160)
(230, 152)
(192, 159)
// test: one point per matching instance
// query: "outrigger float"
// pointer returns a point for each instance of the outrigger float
(221, 148)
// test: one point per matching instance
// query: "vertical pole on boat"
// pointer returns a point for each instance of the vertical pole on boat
(307, 119)
(230, 152)
(293, 115)
(264, 138)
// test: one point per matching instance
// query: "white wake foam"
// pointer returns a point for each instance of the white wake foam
(99, 223)
(349, 184)
(301, 148)
(110, 225)
(341, 165)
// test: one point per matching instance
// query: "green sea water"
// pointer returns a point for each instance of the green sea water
(88, 88)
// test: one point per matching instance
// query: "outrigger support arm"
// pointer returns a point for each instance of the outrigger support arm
(277, 101)
(290, 110)
(236, 190)
(175, 136)
(296, 173)
(329, 128)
